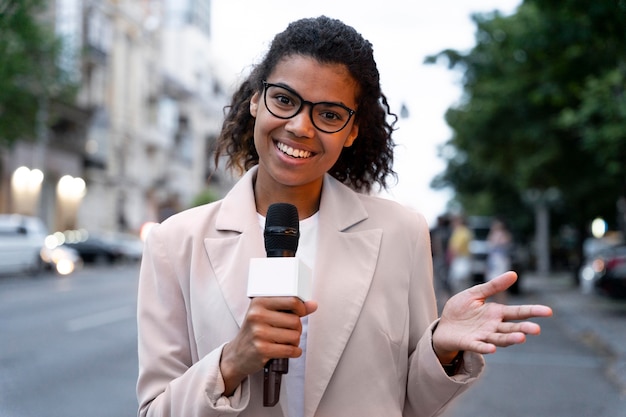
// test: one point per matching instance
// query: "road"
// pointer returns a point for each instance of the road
(68, 344)
(68, 348)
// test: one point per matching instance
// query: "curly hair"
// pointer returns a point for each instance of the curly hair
(369, 160)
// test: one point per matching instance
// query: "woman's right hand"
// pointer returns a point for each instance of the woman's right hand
(270, 330)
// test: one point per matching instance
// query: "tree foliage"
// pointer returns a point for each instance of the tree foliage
(28, 70)
(544, 107)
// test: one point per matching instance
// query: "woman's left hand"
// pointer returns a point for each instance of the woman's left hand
(470, 323)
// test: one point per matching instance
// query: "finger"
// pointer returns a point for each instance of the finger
(311, 307)
(495, 286)
(259, 316)
(506, 339)
(272, 350)
(284, 320)
(482, 347)
(523, 312)
(284, 336)
(523, 327)
(291, 304)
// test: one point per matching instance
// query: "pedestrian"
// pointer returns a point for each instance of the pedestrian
(459, 256)
(439, 239)
(309, 126)
(499, 244)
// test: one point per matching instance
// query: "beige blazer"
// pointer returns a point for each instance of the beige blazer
(369, 349)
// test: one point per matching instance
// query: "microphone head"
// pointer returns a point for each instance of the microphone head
(282, 230)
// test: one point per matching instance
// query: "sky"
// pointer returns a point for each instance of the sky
(403, 33)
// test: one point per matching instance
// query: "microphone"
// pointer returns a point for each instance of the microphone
(281, 234)
(280, 274)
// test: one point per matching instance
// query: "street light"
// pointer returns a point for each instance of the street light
(70, 192)
(598, 228)
(25, 189)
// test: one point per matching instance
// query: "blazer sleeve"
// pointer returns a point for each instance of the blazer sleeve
(429, 389)
(171, 380)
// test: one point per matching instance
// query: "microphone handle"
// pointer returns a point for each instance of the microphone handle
(275, 368)
(272, 375)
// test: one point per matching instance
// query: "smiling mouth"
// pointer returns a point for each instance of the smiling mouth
(295, 153)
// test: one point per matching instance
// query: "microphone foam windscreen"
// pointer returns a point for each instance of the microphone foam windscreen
(282, 227)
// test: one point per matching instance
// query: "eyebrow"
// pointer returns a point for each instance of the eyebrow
(291, 89)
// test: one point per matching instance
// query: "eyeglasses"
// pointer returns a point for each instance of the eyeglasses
(284, 103)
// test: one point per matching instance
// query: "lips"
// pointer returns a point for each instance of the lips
(295, 153)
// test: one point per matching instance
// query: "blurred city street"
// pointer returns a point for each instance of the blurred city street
(69, 349)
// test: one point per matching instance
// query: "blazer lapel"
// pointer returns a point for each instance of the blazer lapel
(343, 272)
(243, 239)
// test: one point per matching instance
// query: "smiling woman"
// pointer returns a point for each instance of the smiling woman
(202, 338)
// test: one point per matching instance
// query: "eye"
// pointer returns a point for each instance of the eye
(330, 116)
(283, 99)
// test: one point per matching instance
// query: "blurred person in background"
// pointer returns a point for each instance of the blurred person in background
(459, 257)
(500, 244)
(309, 127)
(439, 238)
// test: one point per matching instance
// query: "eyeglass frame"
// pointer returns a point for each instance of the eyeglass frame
(304, 102)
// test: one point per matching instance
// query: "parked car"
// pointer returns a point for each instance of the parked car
(129, 245)
(21, 241)
(605, 272)
(93, 248)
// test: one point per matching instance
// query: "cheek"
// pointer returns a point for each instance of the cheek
(262, 132)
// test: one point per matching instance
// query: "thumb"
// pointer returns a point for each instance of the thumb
(311, 307)
(492, 287)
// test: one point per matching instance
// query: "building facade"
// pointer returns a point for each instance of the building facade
(135, 146)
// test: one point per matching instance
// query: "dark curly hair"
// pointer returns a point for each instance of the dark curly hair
(370, 159)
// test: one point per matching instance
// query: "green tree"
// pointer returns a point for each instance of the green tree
(543, 108)
(28, 70)
(206, 196)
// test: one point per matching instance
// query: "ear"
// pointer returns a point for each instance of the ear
(354, 132)
(254, 104)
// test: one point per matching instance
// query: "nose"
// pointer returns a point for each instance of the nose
(301, 124)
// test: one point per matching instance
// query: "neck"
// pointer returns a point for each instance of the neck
(306, 199)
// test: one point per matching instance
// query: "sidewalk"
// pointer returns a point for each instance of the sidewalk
(597, 320)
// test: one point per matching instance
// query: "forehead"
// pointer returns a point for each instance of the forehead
(316, 81)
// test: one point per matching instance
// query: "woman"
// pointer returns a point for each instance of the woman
(309, 128)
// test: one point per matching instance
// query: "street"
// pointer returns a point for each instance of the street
(68, 348)
(68, 344)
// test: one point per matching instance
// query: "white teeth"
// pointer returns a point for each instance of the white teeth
(296, 153)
